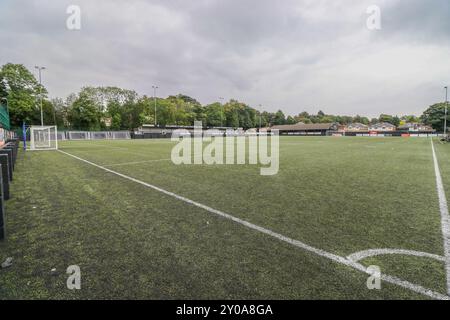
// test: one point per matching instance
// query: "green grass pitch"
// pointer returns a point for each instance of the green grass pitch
(341, 195)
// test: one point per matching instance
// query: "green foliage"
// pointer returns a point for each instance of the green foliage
(410, 118)
(84, 113)
(435, 115)
(389, 119)
(290, 120)
(279, 118)
(22, 90)
(116, 122)
(215, 115)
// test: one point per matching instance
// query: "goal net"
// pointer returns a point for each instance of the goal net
(43, 138)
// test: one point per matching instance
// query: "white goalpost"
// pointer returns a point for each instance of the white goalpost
(43, 138)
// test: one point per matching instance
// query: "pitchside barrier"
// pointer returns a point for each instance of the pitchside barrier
(417, 134)
(151, 135)
(93, 135)
(8, 156)
(208, 132)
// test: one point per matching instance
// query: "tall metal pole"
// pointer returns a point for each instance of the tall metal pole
(446, 110)
(154, 98)
(40, 92)
(221, 116)
(260, 110)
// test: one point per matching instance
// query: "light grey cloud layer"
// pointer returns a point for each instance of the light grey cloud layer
(292, 54)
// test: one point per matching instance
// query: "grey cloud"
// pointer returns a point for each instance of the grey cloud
(417, 21)
(296, 55)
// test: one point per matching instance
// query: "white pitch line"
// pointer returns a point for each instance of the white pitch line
(322, 253)
(360, 255)
(134, 162)
(107, 149)
(445, 222)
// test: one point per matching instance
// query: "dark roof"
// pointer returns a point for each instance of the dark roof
(303, 127)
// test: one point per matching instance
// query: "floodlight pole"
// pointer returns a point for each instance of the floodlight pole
(154, 98)
(40, 92)
(221, 118)
(446, 110)
(260, 108)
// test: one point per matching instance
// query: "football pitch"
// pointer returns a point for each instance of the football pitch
(141, 227)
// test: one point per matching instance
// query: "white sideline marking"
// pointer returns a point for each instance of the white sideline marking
(360, 255)
(331, 256)
(445, 223)
(135, 162)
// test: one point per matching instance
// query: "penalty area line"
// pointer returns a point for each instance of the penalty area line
(322, 253)
(135, 162)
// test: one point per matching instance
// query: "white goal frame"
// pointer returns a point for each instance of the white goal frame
(43, 138)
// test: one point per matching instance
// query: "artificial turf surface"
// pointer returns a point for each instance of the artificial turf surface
(341, 195)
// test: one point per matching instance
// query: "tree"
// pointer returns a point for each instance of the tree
(116, 122)
(327, 119)
(410, 119)
(290, 120)
(385, 118)
(61, 110)
(84, 113)
(165, 112)
(22, 90)
(148, 109)
(199, 114)
(389, 119)
(359, 119)
(434, 116)
(132, 115)
(279, 118)
(396, 121)
(3, 91)
(49, 112)
(265, 116)
(215, 115)
(365, 120)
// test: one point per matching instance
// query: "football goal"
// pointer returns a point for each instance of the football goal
(43, 138)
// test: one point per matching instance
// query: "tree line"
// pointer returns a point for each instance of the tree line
(112, 108)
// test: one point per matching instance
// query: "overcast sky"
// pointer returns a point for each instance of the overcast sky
(297, 55)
